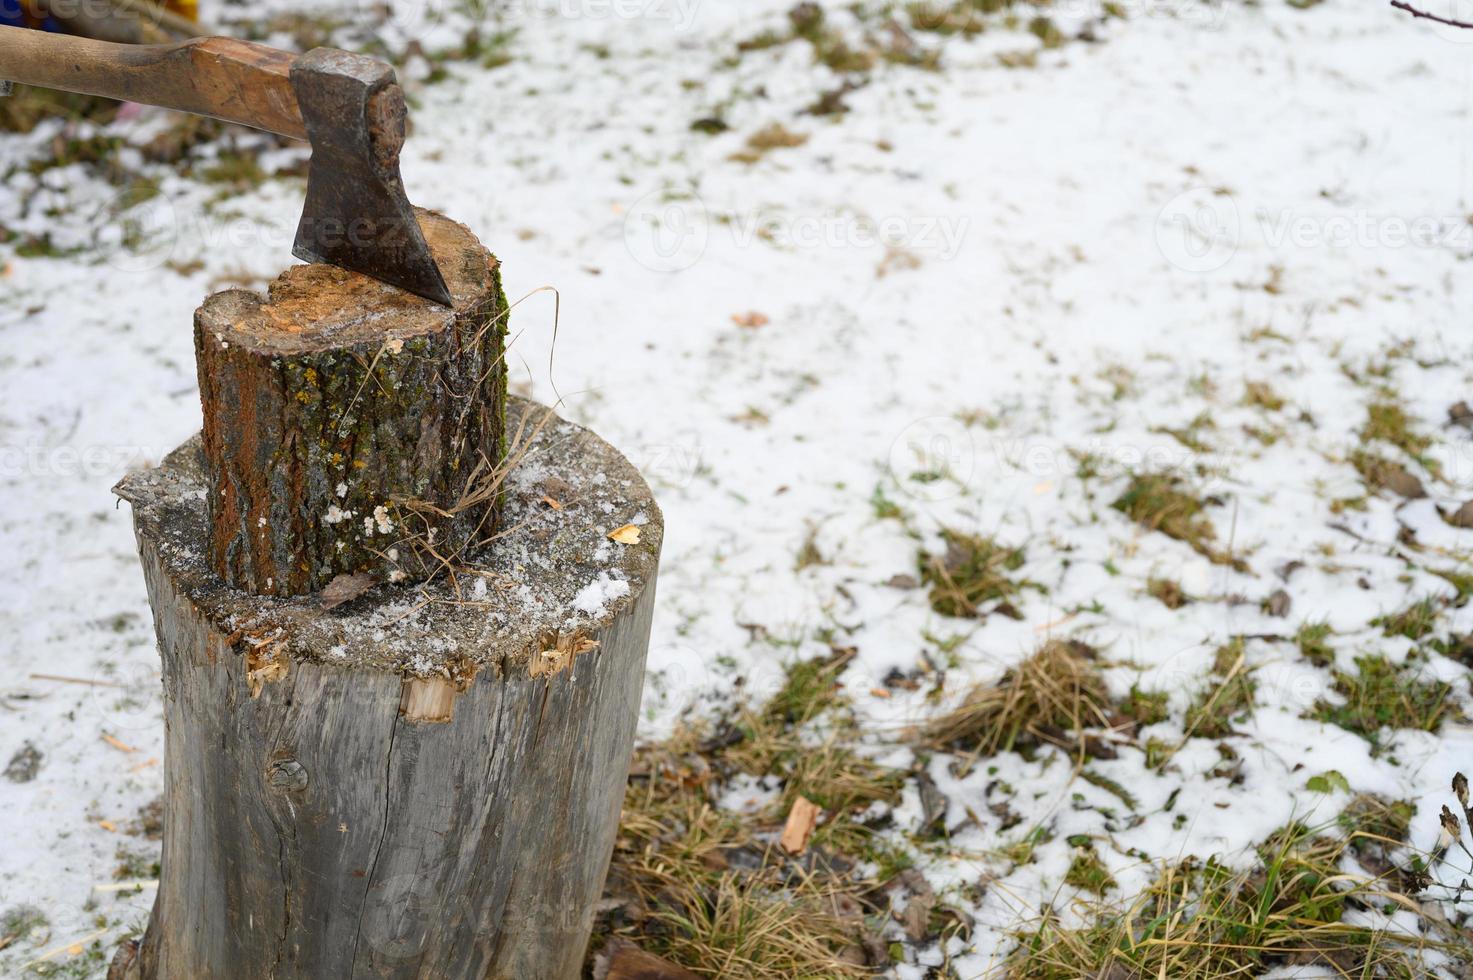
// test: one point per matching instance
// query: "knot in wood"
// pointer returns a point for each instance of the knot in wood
(287, 776)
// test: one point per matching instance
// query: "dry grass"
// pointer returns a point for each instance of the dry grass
(1229, 699)
(1165, 502)
(28, 106)
(702, 888)
(710, 889)
(775, 136)
(1168, 592)
(1057, 690)
(1380, 695)
(1203, 919)
(973, 576)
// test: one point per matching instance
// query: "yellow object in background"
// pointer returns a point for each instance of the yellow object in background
(184, 8)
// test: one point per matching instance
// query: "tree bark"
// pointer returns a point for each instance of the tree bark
(350, 427)
(423, 782)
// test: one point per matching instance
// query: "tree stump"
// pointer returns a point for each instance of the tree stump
(423, 779)
(351, 427)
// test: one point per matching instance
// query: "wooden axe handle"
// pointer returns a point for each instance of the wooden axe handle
(237, 81)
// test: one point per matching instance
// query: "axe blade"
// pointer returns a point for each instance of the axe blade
(357, 215)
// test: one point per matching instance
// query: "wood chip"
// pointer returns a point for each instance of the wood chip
(560, 653)
(555, 505)
(266, 666)
(108, 826)
(751, 319)
(119, 745)
(802, 821)
(346, 588)
(628, 534)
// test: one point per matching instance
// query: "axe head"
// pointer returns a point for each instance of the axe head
(356, 215)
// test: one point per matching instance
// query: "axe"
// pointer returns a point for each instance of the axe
(348, 107)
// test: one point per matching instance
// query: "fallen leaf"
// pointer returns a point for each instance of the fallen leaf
(1463, 516)
(346, 588)
(551, 503)
(751, 320)
(628, 534)
(802, 820)
(625, 961)
(917, 918)
(1278, 604)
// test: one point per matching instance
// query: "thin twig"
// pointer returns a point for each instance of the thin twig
(1401, 5)
(75, 680)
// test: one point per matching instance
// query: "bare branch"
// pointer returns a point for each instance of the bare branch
(1401, 5)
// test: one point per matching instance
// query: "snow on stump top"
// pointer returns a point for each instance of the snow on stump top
(520, 603)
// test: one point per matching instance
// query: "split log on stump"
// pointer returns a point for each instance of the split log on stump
(349, 425)
(422, 782)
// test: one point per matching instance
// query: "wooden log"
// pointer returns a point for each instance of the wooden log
(351, 427)
(422, 782)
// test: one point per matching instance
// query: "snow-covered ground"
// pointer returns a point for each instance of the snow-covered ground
(980, 272)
